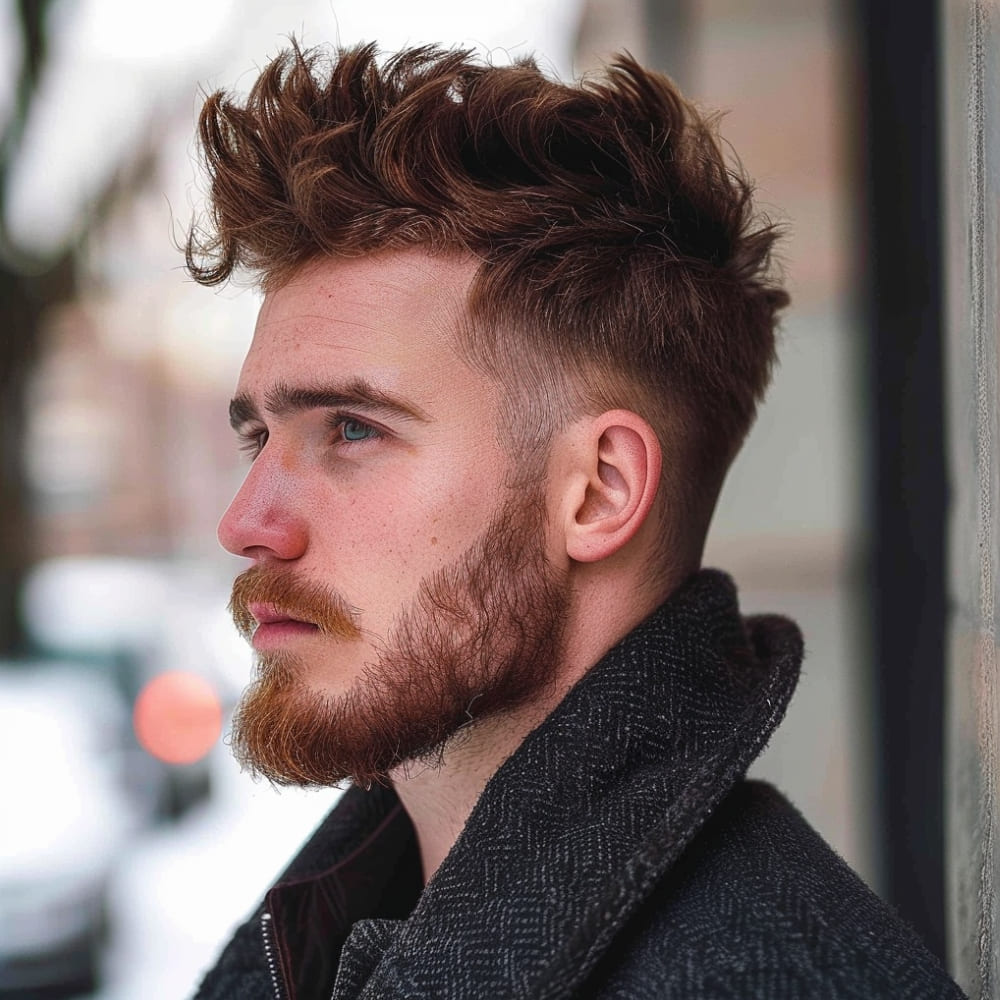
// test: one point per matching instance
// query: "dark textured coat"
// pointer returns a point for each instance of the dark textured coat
(617, 854)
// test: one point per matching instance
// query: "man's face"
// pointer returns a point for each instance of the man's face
(399, 586)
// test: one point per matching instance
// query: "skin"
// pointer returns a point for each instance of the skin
(373, 500)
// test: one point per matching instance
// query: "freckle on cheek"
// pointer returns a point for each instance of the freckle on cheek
(434, 540)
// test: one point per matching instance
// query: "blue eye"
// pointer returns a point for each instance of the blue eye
(355, 430)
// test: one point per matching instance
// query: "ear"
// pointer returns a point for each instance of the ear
(615, 476)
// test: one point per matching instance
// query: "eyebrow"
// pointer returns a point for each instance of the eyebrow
(283, 399)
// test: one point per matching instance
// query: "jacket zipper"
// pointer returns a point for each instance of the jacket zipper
(270, 954)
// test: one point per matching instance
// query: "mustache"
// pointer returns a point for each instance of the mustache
(305, 600)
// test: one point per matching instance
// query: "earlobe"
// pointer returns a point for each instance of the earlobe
(619, 472)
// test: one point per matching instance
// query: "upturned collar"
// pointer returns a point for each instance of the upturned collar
(572, 832)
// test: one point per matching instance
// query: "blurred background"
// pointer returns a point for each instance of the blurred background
(129, 843)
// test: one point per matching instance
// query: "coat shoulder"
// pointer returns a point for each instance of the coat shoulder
(760, 906)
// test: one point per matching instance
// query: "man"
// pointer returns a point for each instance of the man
(512, 336)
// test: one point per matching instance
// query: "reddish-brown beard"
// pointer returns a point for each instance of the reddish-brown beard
(481, 637)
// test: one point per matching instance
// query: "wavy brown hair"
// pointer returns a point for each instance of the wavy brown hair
(620, 259)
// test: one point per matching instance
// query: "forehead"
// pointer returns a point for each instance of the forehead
(392, 319)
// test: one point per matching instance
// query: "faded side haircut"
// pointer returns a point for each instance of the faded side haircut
(620, 259)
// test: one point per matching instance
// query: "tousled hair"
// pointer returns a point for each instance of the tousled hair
(620, 262)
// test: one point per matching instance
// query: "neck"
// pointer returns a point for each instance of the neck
(439, 796)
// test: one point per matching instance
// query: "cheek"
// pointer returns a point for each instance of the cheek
(413, 529)
(401, 526)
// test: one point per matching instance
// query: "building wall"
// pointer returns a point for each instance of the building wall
(971, 108)
(787, 526)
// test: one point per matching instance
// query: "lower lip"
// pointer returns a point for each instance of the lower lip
(270, 635)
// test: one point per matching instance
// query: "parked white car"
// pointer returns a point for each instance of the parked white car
(64, 818)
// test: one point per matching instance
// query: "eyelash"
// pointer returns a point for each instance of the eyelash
(252, 442)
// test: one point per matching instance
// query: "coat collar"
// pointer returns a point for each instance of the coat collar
(580, 823)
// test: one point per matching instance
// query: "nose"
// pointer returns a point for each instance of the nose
(263, 521)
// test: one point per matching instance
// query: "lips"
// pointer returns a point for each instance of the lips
(275, 627)
(271, 614)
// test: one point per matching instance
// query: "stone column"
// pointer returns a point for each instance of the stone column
(971, 110)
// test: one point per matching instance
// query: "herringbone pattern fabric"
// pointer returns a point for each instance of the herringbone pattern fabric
(618, 853)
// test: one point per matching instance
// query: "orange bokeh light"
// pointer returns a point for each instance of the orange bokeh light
(177, 717)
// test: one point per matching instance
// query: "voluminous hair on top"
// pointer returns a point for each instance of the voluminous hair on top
(619, 252)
